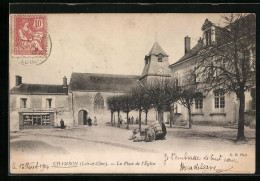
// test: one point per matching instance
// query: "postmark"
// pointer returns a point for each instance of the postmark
(30, 43)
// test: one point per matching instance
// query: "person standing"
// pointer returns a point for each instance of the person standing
(132, 120)
(62, 124)
(89, 121)
(137, 120)
(95, 121)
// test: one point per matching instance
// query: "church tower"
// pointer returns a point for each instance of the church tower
(156, 65)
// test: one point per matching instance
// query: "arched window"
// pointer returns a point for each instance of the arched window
(98, 102)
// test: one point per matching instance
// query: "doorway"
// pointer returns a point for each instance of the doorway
(82, 117)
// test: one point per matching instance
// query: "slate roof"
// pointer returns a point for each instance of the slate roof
(195, 50)
(102, 82)
(39, 89)
(157, 49)
(191, 53)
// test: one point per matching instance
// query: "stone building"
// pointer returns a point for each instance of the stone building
(214, 108)
(89, 93)
(37, 105)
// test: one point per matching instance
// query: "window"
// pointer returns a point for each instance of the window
(160, 58)
(48, 103)
(252, 59)
(199, 101)
(220, 64)
(27, 120)
(196, 78)
(208, 37)
(36, 119)
(219, 99)
(23, 102)
(146, 59)
(253, 95)
(176, 82)
(46, 119)
(98, 102)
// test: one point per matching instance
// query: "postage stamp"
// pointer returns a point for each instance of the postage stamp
(30, 35)
(29, 38)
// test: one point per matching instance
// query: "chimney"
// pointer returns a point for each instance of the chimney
(18, 80)
(65, 82)
(187, 44)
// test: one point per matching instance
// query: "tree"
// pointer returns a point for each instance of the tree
(118, 107)
(138, 94)
(127, 105)
(112, 107)
(161, 93)
(229, 63)
(171, 89)
(147, 105)
(188, 92)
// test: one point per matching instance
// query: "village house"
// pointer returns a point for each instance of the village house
(38, 105)
(215, 107)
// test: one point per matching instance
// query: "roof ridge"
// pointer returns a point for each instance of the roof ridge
(41, 84)
(125, 75)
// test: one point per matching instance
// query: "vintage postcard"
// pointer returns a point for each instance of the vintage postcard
(132, 93)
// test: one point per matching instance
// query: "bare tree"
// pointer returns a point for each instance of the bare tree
(138, 94)
(118, 107)
(172, 90)
(229, 63)
(188, 92)
(160, 95)
(147, 105)
(112, 107)
(127, 105)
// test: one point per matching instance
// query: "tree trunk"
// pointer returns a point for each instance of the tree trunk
(146, 112)
(127, 127)
(160, 116)
(112, 119)
(140, 118)
(189, 110)
(240, 131)
(118, 112)
(171, 117)
(156, 115)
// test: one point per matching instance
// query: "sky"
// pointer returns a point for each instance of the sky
(109, 43)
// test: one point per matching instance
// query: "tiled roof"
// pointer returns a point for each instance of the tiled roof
(102, 82)
(157, 49)
(39, 89)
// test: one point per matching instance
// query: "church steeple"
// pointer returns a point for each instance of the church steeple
(157, 49)
(156, 64)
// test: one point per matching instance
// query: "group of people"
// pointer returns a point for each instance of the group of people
(129, 120)
(89, 121)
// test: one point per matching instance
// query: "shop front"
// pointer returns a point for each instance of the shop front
(31, 120)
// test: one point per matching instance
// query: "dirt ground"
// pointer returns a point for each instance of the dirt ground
(110, 149)
(98, 138)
